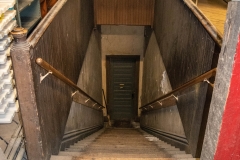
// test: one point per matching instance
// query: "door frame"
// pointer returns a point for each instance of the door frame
(136, 87)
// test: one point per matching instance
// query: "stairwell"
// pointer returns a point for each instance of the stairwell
(122, 143)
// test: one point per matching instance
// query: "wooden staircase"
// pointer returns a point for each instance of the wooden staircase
(122, 143)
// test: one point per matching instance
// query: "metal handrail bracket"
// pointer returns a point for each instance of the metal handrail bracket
(201, 78)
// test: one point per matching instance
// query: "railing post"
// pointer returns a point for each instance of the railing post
(21, 58)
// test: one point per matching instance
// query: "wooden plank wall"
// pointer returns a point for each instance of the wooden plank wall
(188, 51)
(61, 39)
(124, 12)
(64, 47)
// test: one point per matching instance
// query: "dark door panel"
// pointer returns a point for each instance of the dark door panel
(122, 85)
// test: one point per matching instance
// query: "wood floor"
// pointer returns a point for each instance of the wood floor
(215, 11)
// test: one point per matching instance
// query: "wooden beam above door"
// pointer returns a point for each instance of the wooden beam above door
(124, 12)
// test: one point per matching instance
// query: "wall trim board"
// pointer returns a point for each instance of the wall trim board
(76, 135)
(167, 134)
(175, 140)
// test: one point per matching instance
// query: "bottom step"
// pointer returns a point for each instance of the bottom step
(75, 154)
(61, 158)
(103, 158)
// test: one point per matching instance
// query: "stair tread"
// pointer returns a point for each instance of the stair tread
(65, 153)
(176, 152)
(182, 156)
(114, 158)
(78, 146)
(117, 143)
(171, 149)
(75, 149)
(61, 157)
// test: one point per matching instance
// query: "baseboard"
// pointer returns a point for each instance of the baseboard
(175, 140)
(77, 135)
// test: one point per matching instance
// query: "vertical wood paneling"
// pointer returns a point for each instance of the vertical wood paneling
(64, 47)
(187, 50)
(124, 12)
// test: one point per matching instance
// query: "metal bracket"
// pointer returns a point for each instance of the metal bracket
(151, 106)
(100, 107)
(206, 80)
(175, 97)
(43, 77)
(74, 93)
(87, 100)
(159, 103)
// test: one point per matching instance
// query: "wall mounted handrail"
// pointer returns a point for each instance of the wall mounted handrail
(190, 83)
(60, 76)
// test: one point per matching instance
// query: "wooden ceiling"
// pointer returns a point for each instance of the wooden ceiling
(124, 12)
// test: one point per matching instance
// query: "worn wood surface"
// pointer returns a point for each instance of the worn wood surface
(61, 39)
(63, 46)
(26, 95)
(124, 12)
(187, 50)
(215, 11)
(206, 23)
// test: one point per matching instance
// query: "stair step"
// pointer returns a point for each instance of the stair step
(116, 143)
(86, 140)
(65, 153)
(61, 157)
(165, 146)
(120, 146)
(188, 159)
(74, 149)
(83, 145)
(77, 147)
(119, 155)
(113, 158)
(175, 152)
(162, 143)
(171, 149)
(152, 138)
(182, 156)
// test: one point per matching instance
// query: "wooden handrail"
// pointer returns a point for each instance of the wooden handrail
(60, 76)
(190, 83)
